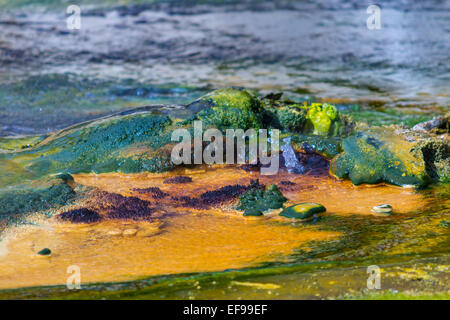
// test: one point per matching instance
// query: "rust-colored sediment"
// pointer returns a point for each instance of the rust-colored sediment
(182, 239)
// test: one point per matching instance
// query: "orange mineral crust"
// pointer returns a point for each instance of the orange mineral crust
(180, 237)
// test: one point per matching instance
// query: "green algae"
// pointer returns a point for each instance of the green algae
(329, 147)
(130, 143)
(436, 154)
(377, 114)
(238, 108)
(18, 143)
(228, 109)
(373, 157)
(257, 200)
(321, 117)
(35, 196)
(291, 119)
(325, 120)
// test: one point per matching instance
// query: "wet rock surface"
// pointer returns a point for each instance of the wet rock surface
(260, 199)
(394, 156)
(383, 208)
(45, 252)
(303, 211)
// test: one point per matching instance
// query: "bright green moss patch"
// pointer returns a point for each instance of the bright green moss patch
(257, 200)
(321, 116)
(230, 98)
(325, 120)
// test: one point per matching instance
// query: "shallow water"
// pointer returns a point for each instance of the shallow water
(171, 53)
(185, 240)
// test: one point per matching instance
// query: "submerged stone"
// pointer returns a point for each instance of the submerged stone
(129, 232)
(303, 211)
(45, 252)
(382, 208)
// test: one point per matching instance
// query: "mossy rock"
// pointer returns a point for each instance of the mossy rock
(228, 108)
(291, 119)
(303, 211)
(380, 155)
(257, 200)
(314, 119)
(131, 143)
(324, 119)
(436, 154)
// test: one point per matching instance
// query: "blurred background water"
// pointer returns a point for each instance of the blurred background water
(135, 53)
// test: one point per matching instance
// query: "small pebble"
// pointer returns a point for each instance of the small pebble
(45, 252)
(130, 232)
(382, 208)
(303, 211)
(114, 232)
